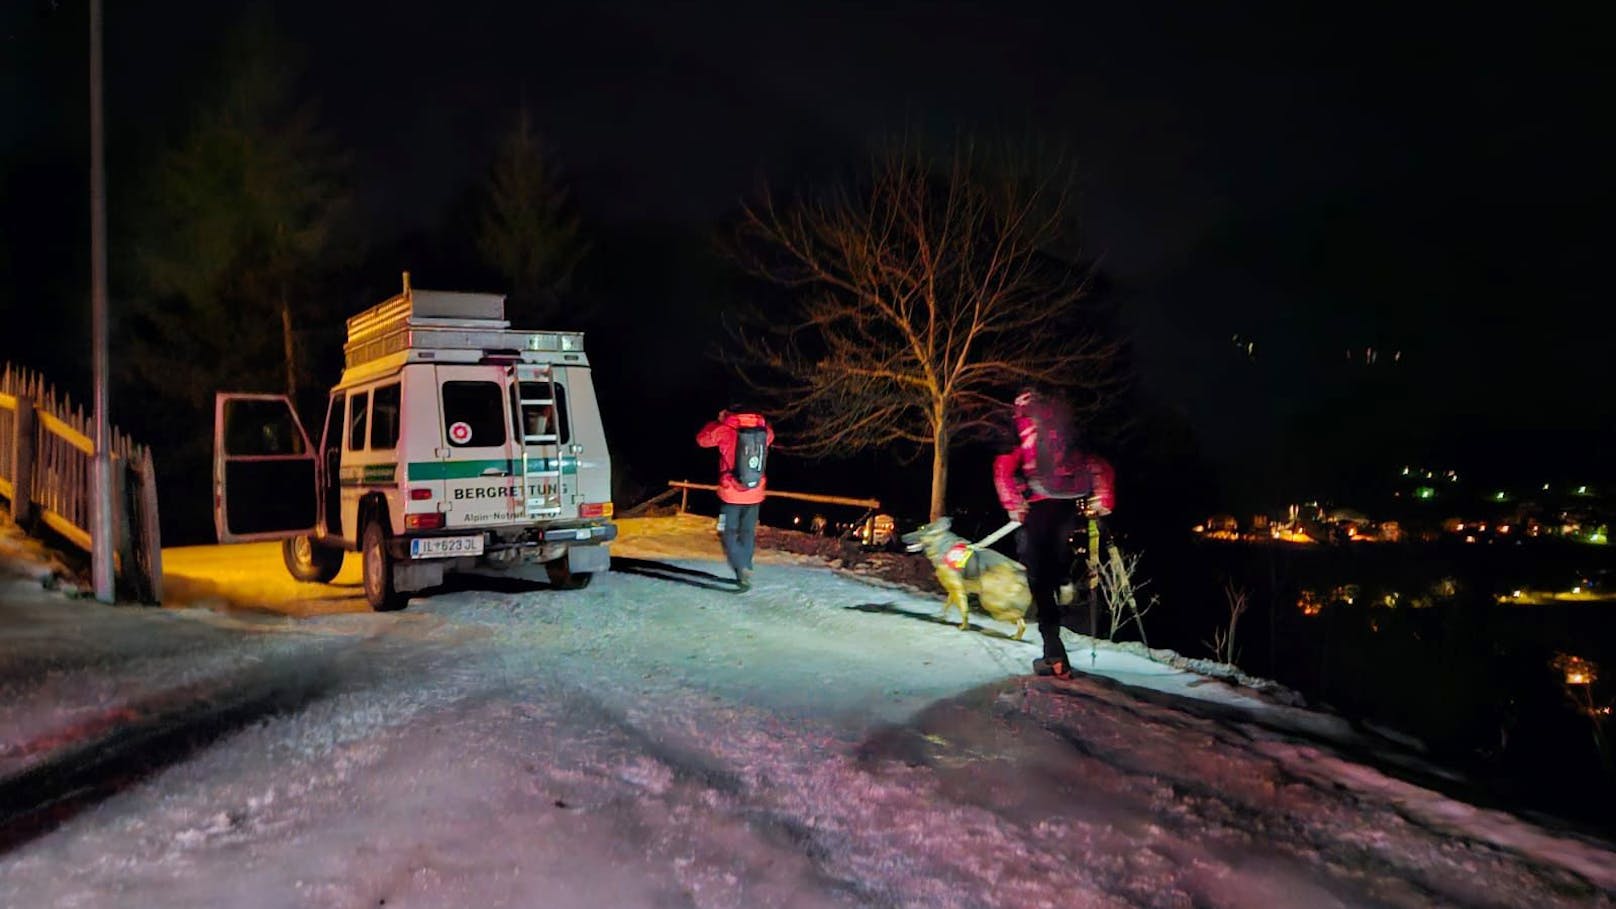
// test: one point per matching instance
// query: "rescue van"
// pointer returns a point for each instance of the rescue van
(452, 443)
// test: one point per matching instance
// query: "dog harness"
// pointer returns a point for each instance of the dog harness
(961, 558)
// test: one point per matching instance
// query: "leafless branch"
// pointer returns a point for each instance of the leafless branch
(925, 296)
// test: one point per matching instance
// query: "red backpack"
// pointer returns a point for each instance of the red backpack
(1060, 470)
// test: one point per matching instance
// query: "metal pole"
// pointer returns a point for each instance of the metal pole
(101, 496)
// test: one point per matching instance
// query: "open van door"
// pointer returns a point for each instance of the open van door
(265, 482)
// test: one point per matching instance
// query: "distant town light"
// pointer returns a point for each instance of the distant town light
(1424, 492)
(1577, 670)
(1499, 496)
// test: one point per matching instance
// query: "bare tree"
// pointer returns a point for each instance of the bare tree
(925, 295)
(1223, 639)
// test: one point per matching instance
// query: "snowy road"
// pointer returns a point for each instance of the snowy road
(656, 740)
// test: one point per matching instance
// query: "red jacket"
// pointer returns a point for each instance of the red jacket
(720, 434)
(1011, 469)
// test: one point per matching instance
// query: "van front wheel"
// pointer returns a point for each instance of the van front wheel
(309, 561)
(379, 570)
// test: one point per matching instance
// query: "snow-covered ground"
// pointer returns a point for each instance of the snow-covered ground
(658, 740)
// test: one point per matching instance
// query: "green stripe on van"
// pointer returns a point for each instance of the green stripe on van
(466, 470)
(368, 475)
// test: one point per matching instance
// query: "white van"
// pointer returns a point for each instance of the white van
(452, 443)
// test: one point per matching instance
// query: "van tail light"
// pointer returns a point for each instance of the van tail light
(431, 520)
(420, 495)
(595, 510)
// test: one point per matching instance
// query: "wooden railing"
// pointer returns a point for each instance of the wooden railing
(685, 486)
(870, 506)
(46, 457)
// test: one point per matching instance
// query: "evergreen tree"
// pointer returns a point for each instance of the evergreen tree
(527, 230)
(237, 224)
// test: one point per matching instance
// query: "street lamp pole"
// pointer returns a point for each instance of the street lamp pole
(101, 495)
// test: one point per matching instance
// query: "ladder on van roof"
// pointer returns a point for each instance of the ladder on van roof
(539, 425)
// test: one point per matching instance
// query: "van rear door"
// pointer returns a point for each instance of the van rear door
(587, 474)
(478, 463)
(265, 474)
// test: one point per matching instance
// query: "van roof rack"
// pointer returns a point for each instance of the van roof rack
(445, 326)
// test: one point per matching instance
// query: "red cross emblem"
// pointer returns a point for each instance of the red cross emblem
(460, 433)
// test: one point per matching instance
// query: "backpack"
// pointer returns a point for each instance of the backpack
(1060, 471)
(751, 455)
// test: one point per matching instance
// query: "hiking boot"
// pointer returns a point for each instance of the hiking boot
(743, 579)
(1060, 669)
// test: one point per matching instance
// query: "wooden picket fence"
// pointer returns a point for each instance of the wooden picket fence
(46, 455)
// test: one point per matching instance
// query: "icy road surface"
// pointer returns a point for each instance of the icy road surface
(657, 740)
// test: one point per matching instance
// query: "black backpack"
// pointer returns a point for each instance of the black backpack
(751, 455)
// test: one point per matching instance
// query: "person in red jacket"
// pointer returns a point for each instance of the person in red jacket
(742, 437)
(1042, 483)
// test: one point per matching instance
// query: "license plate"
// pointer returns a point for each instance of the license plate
(439, 547)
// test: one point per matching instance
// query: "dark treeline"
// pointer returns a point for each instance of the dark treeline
(238, 251)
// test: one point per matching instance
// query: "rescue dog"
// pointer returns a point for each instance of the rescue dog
(999, 582)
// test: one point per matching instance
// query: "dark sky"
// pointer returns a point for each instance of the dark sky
(1436, 183)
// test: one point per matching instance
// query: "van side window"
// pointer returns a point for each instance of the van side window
(545, 419)
(473, 413)
(358, 406)
(384, 418)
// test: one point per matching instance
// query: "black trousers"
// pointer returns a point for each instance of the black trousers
(739, 535)
(1043, 544)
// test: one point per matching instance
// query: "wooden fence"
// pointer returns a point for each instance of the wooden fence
(46, 458)
(683, 488)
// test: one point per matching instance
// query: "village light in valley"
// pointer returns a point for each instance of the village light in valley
(1576, 670)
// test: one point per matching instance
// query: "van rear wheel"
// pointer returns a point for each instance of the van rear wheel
(379, 570)
(562, 577)
(309, 561)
